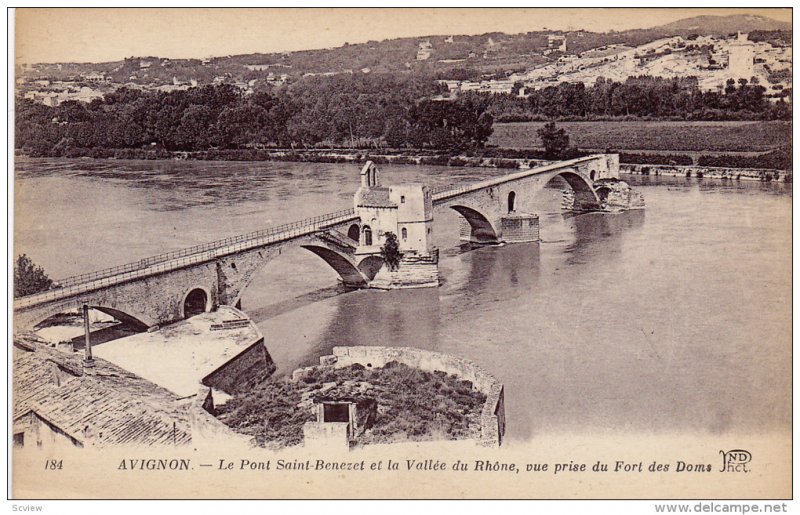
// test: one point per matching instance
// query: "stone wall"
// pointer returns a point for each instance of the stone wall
(520, 227)
(209, 432)
(706, 172)
(493, 413)
(251, 366)
(414, 271)
(247, 368)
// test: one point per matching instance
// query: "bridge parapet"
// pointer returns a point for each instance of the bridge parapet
(185, 257)
(607, 168)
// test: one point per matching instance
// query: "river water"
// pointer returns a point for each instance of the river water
(676, 318)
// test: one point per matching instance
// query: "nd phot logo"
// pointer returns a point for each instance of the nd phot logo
(735, 460)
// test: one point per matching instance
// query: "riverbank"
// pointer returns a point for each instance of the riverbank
(637, 164)
(779, 159)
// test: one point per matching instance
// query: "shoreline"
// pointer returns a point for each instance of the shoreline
(497, 158)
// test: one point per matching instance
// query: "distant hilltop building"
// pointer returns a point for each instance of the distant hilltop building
(741, 54)
(557, 42)
(96, 77)
(424, 52)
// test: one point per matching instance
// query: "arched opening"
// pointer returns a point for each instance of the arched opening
(479, 229)
(353, 232)
(592, 175)
(370, 266)
(404, 233)
(349, 273)
(195, 303)
(602, 193)
(105, 324)
(367, 235)
(585, 198)
(512, 197)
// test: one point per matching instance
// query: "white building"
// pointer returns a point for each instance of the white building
(740, 58)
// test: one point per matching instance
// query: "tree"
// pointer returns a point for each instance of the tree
(29, 278)
(555, 141)
(390, 251)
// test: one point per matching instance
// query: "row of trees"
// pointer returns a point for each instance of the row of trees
(359, 111)
(642, 97)
(340, 110)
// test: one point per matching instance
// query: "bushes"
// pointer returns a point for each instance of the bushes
(780, 159)
(656, 159)
(505, 163)
(412, 404)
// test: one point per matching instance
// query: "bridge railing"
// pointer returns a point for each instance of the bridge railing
(448, 191)
(183, 257)
(444, 193)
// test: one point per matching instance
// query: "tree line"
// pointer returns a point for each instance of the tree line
(358, 111)
(642, 97)
(355, 111)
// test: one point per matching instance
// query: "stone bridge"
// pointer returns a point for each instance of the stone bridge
(173, 286)
(489, 205)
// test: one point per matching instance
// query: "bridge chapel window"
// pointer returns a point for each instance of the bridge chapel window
(512, 197)
(367, 235)
(404, 233)
(402, 199)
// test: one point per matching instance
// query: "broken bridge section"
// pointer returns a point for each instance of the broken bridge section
(172, 286)
(503, 209)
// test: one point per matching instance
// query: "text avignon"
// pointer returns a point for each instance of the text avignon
(154, 464)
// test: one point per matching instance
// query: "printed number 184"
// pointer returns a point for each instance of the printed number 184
(54, 464)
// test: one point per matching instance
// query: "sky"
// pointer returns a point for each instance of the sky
(99, 35)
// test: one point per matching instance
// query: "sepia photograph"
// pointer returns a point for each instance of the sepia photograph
(401, 253)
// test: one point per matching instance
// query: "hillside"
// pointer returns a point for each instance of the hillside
(495, 54)
(722, 25)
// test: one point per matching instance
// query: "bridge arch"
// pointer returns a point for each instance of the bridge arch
(31, 321)
(481, 227)
(585, 196)
(350, 274)
(125, 318)
(370, 265)
(195, 301)
(602, 193)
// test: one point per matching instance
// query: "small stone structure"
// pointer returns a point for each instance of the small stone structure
(405, 211)
(520, 227)
(492, 419)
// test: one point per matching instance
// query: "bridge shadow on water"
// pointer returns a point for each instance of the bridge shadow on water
(408, 317)
(279, 308)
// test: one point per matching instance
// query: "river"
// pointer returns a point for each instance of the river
(676, 318)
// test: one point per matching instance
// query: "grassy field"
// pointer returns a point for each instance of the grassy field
(654, 136)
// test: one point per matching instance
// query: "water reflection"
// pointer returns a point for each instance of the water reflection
(603, 230)
(384, 318)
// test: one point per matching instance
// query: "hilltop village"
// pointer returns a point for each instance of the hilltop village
(495, 64)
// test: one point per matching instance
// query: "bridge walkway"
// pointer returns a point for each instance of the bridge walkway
(446, 193)
(78, 284)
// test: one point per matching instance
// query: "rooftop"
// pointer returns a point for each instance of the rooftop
(374, 197)
(178, 357)
(110, 406)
